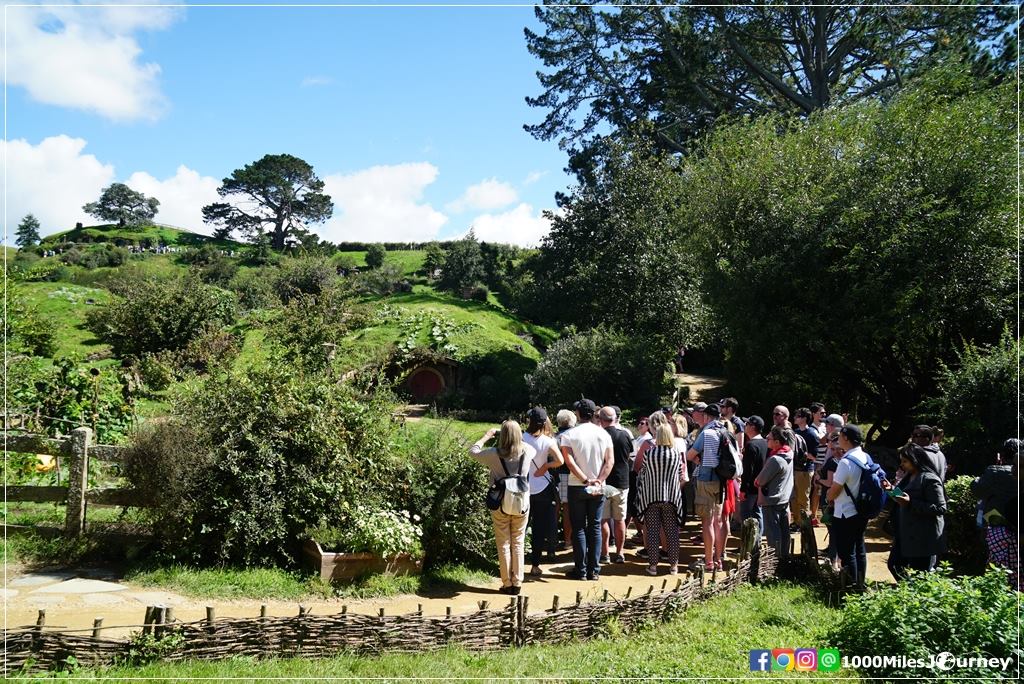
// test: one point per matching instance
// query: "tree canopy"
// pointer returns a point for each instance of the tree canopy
(674, 70)
(853, 253)
(619, 255)
(120, 203)
(278, 196)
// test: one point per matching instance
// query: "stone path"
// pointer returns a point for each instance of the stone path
(73, 598)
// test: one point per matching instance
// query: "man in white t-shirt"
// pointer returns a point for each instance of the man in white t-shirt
(847, 525)
(587, 449)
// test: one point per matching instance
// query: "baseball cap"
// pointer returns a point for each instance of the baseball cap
(757, 422)
(699, 406)
(537, 415)
(713, 410)
(585, 407)
(852, 433)
(835, 420)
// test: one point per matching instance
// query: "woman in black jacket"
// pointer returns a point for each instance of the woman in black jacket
(920, 511)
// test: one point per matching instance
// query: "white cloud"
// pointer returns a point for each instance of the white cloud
(182, 197)
(533, 177)
(52, 180)
(87, 58)
(484, 196)
(382, 203)
(309, 81)
(518, 226)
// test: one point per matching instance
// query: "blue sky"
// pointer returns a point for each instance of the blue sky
(413, 115)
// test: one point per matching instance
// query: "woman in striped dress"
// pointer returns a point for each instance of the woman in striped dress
(660, 499)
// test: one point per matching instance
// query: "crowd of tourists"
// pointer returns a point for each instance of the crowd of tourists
(590, 476)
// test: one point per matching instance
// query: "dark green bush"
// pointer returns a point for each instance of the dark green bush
(965, 542)
(148, 315)
(272, 454)
(310, 328)
(602, 364)
(383, 280)
(930, 614)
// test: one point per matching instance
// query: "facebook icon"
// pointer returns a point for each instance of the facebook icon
(760, 661)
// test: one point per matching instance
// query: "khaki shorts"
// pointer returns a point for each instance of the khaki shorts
(708, 501)
(615, 506)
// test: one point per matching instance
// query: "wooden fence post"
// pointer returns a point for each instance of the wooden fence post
(78, 481)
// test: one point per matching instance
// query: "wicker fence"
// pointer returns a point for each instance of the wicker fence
(36, 648)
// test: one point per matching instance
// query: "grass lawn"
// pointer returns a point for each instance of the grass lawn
(409, 260)
(157, 234)
(65, 305)
(710, 640)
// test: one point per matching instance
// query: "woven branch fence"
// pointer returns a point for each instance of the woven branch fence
(36, 648)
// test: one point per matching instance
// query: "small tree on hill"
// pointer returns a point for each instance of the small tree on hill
(375, 255)
(277, 195)
(122, 204)
(28, 231)
(434, 259)
(464, 265)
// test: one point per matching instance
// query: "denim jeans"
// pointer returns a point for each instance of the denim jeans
(776, 527)
(750, 509)
(543, 517)
(585, 515)
(849, 533)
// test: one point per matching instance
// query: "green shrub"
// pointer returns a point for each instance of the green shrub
(371, 529)
(255, 288)
(965, 542)
(310, 327)
(979, 399)
(25, 331)
(274, 453)
(446, 488)
(298, 276)
(929, 614)
(149, 315)
(383, 280)
(375, 255)
(602, 364)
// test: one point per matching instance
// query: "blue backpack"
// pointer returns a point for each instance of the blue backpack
(870, 496)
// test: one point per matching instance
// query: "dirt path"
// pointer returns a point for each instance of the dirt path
(73, 599)
(704, 388)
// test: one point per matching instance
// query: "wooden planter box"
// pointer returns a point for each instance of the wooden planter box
(346, 566)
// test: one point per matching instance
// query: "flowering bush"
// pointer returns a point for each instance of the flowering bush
(383, 532)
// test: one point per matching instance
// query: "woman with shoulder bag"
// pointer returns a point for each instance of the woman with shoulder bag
(508, 463)
(544, 497)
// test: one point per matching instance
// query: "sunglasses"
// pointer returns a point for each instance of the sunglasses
(643, 422)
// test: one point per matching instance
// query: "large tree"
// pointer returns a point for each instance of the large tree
(28, 231)
(619, 254)
(674, 70)
(851, 255)
(279, 196)
(120, 203)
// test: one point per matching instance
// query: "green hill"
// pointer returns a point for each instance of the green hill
(155, 234)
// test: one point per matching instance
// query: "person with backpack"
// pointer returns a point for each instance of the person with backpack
(803, 465)
(920, 509)
(775, 488)
(543, 485)
(508, 498)
(857, 494)
(710, 492)
(999, 491)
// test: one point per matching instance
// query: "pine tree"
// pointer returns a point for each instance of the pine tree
(28, 231)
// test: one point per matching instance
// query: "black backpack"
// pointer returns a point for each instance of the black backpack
(728, 456)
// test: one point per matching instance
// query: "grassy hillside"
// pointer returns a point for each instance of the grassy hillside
(64, 305)
(136, 234)
(410, 261)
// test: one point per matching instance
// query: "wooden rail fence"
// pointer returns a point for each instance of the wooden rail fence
(76, 495)
(35, 648)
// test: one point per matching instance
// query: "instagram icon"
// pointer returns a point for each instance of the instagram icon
(806, 659)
